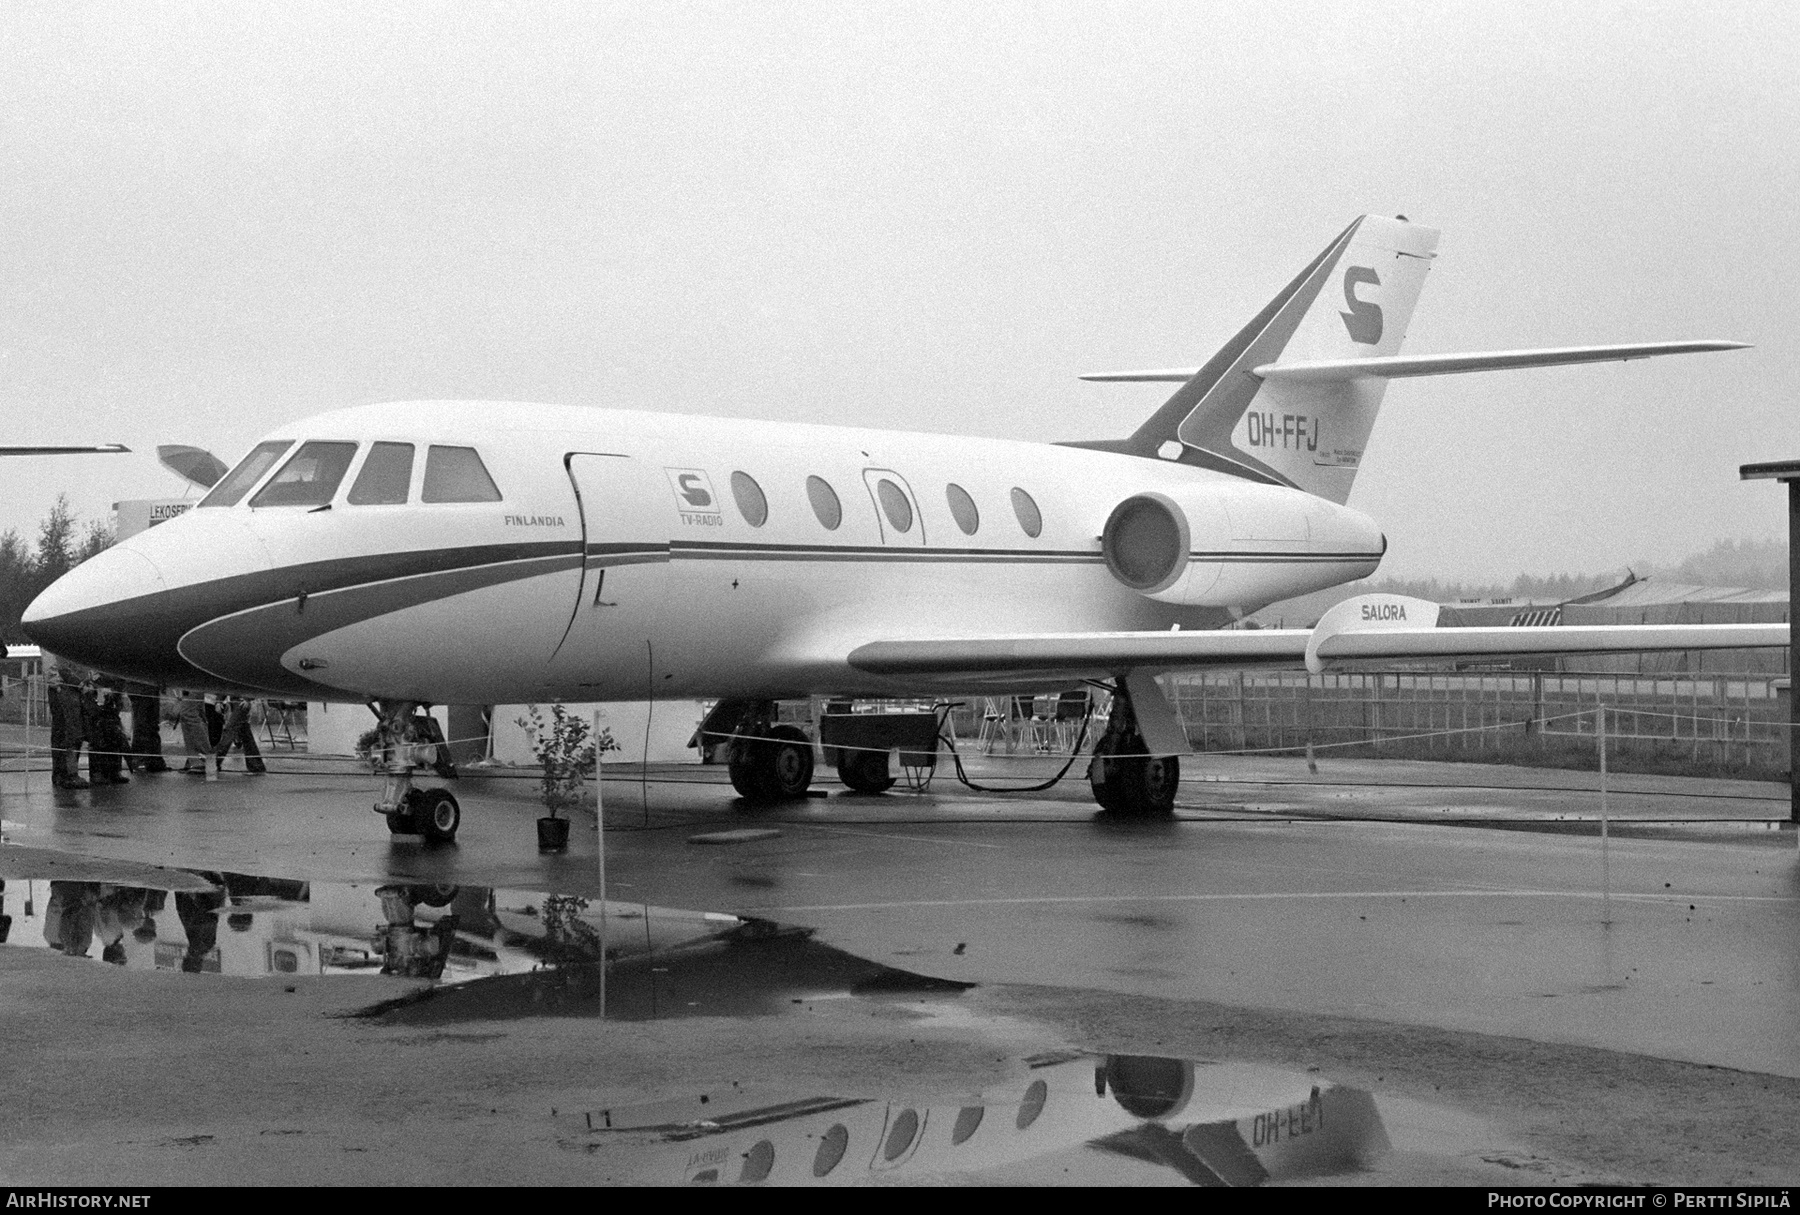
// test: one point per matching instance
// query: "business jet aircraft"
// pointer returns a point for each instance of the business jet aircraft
(477, 552)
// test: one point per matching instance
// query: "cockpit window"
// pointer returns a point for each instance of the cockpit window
(236, 483)
(310, 476)
(385, 477)
(456, 474)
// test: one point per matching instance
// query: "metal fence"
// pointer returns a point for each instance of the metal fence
(1711, 723)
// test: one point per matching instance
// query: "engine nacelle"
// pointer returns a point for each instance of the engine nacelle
(1236, 545)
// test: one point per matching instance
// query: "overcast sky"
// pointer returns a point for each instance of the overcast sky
(216, 218)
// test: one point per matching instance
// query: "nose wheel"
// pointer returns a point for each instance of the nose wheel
(401, 746)
(432, 813)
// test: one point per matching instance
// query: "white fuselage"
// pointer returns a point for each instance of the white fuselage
(620, 564)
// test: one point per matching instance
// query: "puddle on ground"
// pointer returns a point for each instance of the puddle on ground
(1071, 1119)
(461, 954)
(485, 953)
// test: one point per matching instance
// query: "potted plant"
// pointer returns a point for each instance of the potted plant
(567, 750)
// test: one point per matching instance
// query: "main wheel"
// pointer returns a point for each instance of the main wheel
(772, 769)
(865, 771)
(438, 815)
(749, 768)
(790, 763)
(1132, 783)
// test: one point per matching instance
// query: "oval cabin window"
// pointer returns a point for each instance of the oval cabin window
(962, 509)
(825, 502)
(750, 501)
(895, 505)
(1029, 517)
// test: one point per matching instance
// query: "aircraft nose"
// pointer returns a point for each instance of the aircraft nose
(82, 614)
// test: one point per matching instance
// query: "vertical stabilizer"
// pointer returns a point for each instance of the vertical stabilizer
(1353, 302)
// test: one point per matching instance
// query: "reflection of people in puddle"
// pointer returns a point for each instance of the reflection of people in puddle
(145, 932)
(120, 910)
(199, 915)
(407, 949)
(69, 917)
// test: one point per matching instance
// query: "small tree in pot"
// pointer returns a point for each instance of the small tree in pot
(567, 749)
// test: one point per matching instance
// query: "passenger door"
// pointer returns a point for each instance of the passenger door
(610, 642)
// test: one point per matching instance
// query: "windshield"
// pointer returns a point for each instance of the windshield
(249, 471)
(309, 478)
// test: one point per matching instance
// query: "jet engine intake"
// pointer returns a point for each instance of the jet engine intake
(1146, 543)
(1235, 544)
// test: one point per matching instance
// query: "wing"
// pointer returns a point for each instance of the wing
(1366, 629)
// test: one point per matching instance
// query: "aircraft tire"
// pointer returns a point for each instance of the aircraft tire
(749, 768)
(789, 761)
(865, 771)
(438, 815)
(1134, 785)
(406, 820)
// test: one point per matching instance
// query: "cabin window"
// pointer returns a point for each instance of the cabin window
(895, 505)
(1029, 517)
(832, 1146)
(1035, 1096)
(825, 502)
(386, 476)
(757, 1163)
(905, 1130)
(235, 484)
(750, 501)
(962, 509)
(309, 478)
(456, 474)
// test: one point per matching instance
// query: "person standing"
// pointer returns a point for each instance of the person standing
(66, 732)
(194, 736)
(146, 730)
(236, 731)
(107, 744)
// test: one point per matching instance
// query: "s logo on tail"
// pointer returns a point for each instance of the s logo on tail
(1364, 318)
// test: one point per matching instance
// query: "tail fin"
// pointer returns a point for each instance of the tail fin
(1353, 302)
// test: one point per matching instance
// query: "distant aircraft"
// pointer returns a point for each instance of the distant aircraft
(479, 552)
(102, 449)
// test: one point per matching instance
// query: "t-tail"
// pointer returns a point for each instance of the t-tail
(1292, 399)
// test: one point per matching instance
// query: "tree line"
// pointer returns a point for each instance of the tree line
(26, 569)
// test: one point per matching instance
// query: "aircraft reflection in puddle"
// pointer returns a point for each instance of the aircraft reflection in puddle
(236, 924)
(491, 953)
(1084, 1119)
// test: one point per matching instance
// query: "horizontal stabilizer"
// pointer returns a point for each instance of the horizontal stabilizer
(1403, 366)
(1395, 367)
(1172, 375)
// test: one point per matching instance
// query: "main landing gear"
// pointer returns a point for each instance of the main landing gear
(1128, 781)
(769, 762)
(405, 740)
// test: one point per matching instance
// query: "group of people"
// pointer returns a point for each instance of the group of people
(88, 710)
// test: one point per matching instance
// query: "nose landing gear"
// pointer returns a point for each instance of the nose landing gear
(404, 742)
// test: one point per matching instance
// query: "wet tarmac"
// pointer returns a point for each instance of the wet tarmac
(1477, 905)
